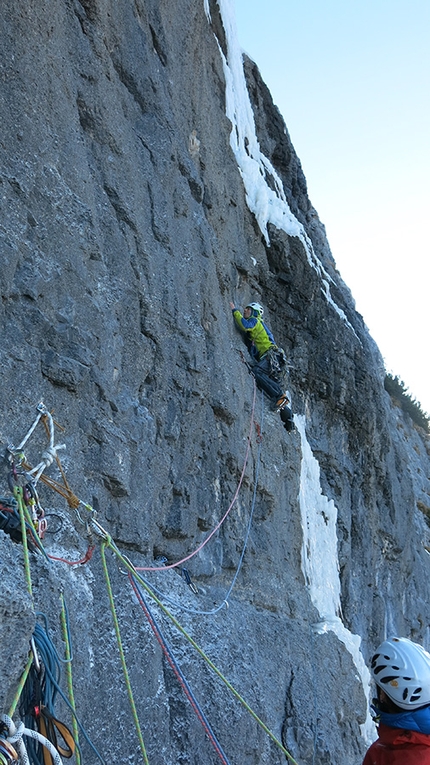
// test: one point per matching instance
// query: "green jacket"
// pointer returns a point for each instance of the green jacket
(256, 329)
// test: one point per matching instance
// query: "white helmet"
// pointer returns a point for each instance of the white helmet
(402, 669)
(256, 307)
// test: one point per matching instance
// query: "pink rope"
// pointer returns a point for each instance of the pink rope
(176, 669)
(218, 526)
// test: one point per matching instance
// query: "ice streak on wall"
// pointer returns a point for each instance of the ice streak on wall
(320, 563)
(269, 205)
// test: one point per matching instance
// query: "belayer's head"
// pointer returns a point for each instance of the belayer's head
(256, 310)
(401, 669)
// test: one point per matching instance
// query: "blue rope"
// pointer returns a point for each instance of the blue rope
(49, 686)
(178, 672)
(189, 610)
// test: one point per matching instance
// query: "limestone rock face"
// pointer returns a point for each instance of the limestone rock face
(124, 234)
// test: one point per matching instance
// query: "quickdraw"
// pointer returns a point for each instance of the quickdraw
(185, 575)
(18, 478)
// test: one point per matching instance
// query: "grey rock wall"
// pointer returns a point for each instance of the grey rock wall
(124, 233)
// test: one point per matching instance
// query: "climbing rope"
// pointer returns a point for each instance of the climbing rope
(177, 670)
(122, 655)
(108, 542)
(27, 525)
(50, 453)
(37, 704)
(15, 735)
(41, 410)
(36, 474)
(21, 470)
(87, 557)
(34, 525)
(224, 603)
(64, 618)
(218, 526)
(21, 684)
(41, 689)
(27, 522)
(18, 494)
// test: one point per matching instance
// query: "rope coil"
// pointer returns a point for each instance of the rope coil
(15, 735)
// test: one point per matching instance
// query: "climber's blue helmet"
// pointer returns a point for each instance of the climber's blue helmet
(256, 309)
(402, 669)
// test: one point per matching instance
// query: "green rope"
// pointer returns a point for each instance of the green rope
(109, 543)
(21, 684)
(18, 494)
(121, 653)
(69, 677)
(34, 535)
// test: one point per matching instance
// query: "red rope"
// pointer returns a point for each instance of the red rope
(88, 555)
(178, 672)
(218, 526)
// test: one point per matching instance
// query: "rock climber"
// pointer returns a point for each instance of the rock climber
(401, 671)
(268, 361)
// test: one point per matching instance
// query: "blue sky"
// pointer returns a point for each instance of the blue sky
(352, 81)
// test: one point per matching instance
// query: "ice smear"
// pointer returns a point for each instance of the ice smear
(269, 205)
(320, 563)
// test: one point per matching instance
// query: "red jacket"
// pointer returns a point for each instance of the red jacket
(399, 747)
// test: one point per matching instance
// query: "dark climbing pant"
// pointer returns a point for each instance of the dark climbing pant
(261, 372)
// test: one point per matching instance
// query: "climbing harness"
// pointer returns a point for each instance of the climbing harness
(277, 363)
